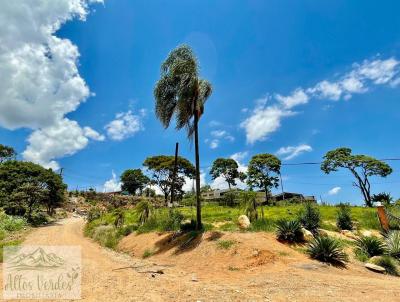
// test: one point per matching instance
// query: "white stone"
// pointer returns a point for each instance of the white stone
(307, 234)
(244, 222)
(367, 233)
(375, 268)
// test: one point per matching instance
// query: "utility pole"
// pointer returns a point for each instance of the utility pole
(174, 174)
(283, 192)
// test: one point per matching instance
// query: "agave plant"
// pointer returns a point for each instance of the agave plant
(145, 210)
(388, 263)
(310, 217)
(289, 230)
(327, 249)
(370, 246)
(393, 244)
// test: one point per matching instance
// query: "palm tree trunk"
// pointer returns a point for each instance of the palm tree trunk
(196, 146)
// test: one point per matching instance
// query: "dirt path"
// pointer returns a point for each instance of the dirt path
(106, 278)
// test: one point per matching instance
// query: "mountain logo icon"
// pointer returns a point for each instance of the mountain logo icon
(37, 260)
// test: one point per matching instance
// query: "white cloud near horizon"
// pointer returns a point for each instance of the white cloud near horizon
(266, 118)
(39, 78)
(125, 124)
(291, 152)
(217, 136)
(220, 182)
(334, 191)
(112, 185)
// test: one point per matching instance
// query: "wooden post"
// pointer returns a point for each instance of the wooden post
(383, 218)
(174, 175)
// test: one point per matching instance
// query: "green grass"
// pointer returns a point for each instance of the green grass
(225, 244)
(7, 243)
(147, 253)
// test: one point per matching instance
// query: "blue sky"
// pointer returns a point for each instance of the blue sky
(307, 76)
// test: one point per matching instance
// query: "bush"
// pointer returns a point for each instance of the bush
(370, 246)
(327, 249)
(289, 230)
(393, 244)
(225, 244)
(2, 234)
(127, 230)
(93, 214)
(172, 222)
(144, 210)
(263, 225)
(38, 219)
(343, 218)
(310, 218)
(12, 223)
(388, 263)
(249, 203)
(106, 235)
(188, 226)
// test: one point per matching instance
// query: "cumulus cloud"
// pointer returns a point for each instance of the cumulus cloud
(217, 136)
(125, 124)
(112, 185)
(39, 78)
(291, 152)
(334, 191)
(191, 183)
(264, 120)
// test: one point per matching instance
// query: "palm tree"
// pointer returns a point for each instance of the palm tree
(180, 92)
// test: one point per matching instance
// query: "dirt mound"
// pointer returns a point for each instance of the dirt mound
(214, 254)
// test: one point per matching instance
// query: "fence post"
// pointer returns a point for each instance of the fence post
(382, 217)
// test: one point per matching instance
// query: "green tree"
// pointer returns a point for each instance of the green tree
(162, 169)
(361, 166)
(133, 180)
(181, 92)
(25, 178)
(6, 153)
(383, 197)
(149, 192)
(227, 168)
(263, 173)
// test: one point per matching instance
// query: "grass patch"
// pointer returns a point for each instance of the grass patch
(233, 268)
(225, 244)
(147, 253)
(7, 243)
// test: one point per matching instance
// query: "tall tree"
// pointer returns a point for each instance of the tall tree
(228, 169)
(361, 166)
(181, 92)
(162, 169)
(134, 180)
(6, 153)
(263, 173)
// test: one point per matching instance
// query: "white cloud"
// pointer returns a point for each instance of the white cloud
(298, 97)
(214, 143)
(219, 135)
(125, 125)
(334, 191)
(112, 185)
(39, 77)
(92, 134)
(291, 152)
(239, 156)
(264, 120)
(191, 183)
(220, 182)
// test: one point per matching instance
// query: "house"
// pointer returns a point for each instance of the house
(294, 196)
(215, 194)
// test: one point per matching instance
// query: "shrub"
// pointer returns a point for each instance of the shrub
(188, 226)
(93, 214)
(106, 235)
(38, 219)
(383, 197)
(249, 203)
(343, 218)
(12, 223)
(127, 230)
(289, 230)
(388, 263)
(310, 217)
(371, 246)
(119, 218)
(172, 222)
(327, 249)
(263, 225)
(147, 253)
(145, 210)
(2, 234)
(393, 244)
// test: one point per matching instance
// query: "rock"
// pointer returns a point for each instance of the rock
(348, 234)
(307, 234)
(194, 278)
(367, 233)
(256, 253)
(244, 222)
(375, 268)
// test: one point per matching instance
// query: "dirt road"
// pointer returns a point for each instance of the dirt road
(107, 278)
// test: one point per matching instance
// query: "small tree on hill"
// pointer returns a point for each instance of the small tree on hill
(227, 168)
(162, 169)
(133, 180)
(361, 166)
(6, 153)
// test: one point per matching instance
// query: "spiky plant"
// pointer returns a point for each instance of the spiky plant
(343, 217)
(370, 246)
(327, 249)
(388, 263)
(145, 210)
(392, 241)
(289, 230)
(310, 217)
(248, 201)
(181, 92)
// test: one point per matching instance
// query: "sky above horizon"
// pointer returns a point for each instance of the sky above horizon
(294, 79)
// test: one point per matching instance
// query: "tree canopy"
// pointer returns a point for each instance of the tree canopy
(361, 166)
(228, 169)
(162, 169)
(133, 180)
(6, 153)
(263, 172)
(25, 185)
